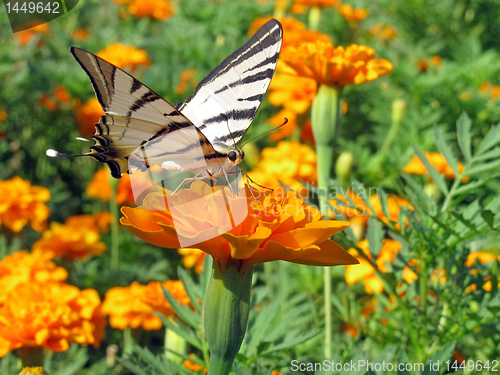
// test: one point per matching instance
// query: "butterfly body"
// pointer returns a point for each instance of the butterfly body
(141, 129)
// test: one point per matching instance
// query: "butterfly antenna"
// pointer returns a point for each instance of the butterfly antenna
(269, 131)
(57, 154)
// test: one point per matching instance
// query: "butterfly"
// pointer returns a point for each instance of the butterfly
(141, 129)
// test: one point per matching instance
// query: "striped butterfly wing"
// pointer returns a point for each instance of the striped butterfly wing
(226, 101)
(140, 128)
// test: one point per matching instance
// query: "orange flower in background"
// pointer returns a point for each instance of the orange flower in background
(98, 222)
(285, 131)
(81, 34)
(352, 15)
(87, 115)
(21, 204)
(22, 268)
(423, 65)
(384, 32)
(394, 203)
(487, 89)
(192, 258)
(279, 226)
(74, 240)
(156, 9)
(187, 78)
(3, 115)
(61, 95)
(333, 66)
(364, 271)
(51, 316)
(133, 306)
(288, 163)
(26, 35)
(294, 32)
(300, 6)
(100, 186)
(438, 161)
(124, 57)
(481, 257)
(190, 365)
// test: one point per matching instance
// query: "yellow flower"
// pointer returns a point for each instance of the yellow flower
(124, 56)
(339, 66)
(438, 161)
(157, 9)
(33, 371)
(481, 256)
(75, 240)
(384, 32)
(279, 226)
(289, 163)
(21, 204)
(352, 15)
(394, 203)
(22, 267)
(187, 77)
(133, 306)
(192, 258)
(295, 94)
(51, 316)
(87, 115)
(364, 271)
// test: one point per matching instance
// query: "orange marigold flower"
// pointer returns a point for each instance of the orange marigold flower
(192, 258)
(81, 34)
(22, 267)
(3, 115)
(48, 103)
(364, 271)
(351, 14)
(294, 32)
(100, 186)
(333, 66)
(190, 365)
(294, 93)
(133, 306)
(124, 56)
(21, 204)
(487, 89)
(481, 256)
(394, 202)
(285, 131)
(289, 163)
(187, 77)
(71, 240)
(384, 32)
(300, 6)
(157, 9)
(33, 371)
(87, 115)
(279, 226)
(438, 161)
(98, 222)
(26, 35)
(62, 94)
(351, 330)
(274, 372)
(423, 65)
(51, 316)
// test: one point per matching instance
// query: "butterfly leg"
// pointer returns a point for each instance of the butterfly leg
(190, 179)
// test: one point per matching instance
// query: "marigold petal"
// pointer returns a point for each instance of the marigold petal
(330, 254)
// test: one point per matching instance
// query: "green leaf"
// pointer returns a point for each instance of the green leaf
(444, 148)
(382, 196)
(463, 135)
(291, 341)
(403, 358)
(494, 153)
(419, 195)
(186, 333)
(375, 235)
(490, 139)
(483, 168)
(434, 175)
(183, 312)
(192, 290)
(443, 354)
(262, 325)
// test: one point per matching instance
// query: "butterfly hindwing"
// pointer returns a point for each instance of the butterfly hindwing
(226, 101)
(137, 116)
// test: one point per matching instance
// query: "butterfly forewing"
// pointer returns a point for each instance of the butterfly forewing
(227, 99)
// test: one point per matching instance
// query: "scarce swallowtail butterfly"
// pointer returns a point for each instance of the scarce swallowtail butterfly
(141, 129)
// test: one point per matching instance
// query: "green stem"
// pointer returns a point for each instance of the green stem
(325, 118)
(227, 304)
(31, 356)
(113, 208)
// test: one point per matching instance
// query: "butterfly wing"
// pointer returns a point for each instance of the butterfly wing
(226, 101)
(140, 128)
